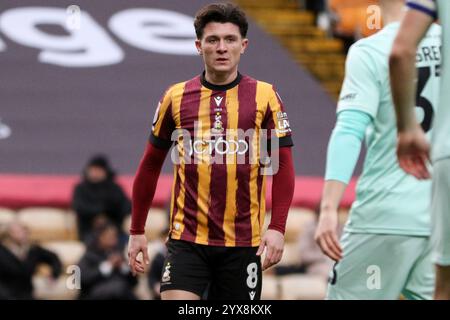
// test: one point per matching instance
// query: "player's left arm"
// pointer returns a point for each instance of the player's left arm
(283, 183)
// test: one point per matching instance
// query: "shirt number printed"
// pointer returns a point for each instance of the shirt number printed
(252, 279)
(424, 74)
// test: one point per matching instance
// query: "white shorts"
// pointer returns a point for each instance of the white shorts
(382, 267)
(440, 212)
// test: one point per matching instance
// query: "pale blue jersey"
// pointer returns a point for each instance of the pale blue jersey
(388, 201)
(441, 136)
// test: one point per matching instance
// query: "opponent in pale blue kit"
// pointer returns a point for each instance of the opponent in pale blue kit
(413, 147)
(385, 249)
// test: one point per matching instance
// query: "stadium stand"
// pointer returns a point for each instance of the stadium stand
(6, 215)
(47, 290)
(69, 251)
(47, 224)
(55, 229)
(158, 222)
(301, 287)
(291, 254)
(309, 45)
(270, 287)
(51, 228)
(351, 17)
(297, 219)
(55, 235)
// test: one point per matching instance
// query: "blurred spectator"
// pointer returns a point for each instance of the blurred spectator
(154, 275)
(157, 265)
(99, 198)
(105, 275)
(19, 260)
(317, 7)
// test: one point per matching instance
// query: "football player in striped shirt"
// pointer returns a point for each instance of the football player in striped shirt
(218, 195)
(413, 149)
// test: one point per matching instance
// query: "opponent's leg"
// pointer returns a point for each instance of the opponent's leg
(373, 267)
(440, 209)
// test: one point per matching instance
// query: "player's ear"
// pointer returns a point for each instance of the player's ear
(198, 45)
(244, 45)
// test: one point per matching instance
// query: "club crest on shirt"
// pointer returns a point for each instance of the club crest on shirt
(218, 125)
(166, 274)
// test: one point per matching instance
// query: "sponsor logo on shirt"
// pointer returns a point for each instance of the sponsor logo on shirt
(283, 125)
(348, 97)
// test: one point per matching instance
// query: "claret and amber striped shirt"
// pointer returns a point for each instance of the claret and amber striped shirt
(218, 203)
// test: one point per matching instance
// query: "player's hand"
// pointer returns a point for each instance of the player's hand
(137, 244)
(274, 241)
(413, 152)
(326, 235)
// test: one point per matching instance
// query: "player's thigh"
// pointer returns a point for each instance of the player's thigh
(420, 282)
(237, 276)
(373, 267)
(185, 269)
(440, 208)
(179, 295)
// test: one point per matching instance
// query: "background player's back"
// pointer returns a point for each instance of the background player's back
(441, 141)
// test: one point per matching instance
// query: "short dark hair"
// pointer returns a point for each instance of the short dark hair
(222, 13)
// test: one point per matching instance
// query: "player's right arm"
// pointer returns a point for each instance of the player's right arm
(343, 152)
(413, 148)
(146, 179)
(357, 108)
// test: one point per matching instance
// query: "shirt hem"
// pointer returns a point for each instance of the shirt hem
(220, 243)
(404, 232)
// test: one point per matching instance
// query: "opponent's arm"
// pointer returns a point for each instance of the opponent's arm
(413, 148)
(342, 155)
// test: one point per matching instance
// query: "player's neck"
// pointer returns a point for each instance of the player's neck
(220, 78)
(393, 14)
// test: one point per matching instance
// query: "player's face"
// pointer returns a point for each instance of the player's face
(221, 46)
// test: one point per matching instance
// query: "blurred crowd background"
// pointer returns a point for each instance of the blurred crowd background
(39, 245)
